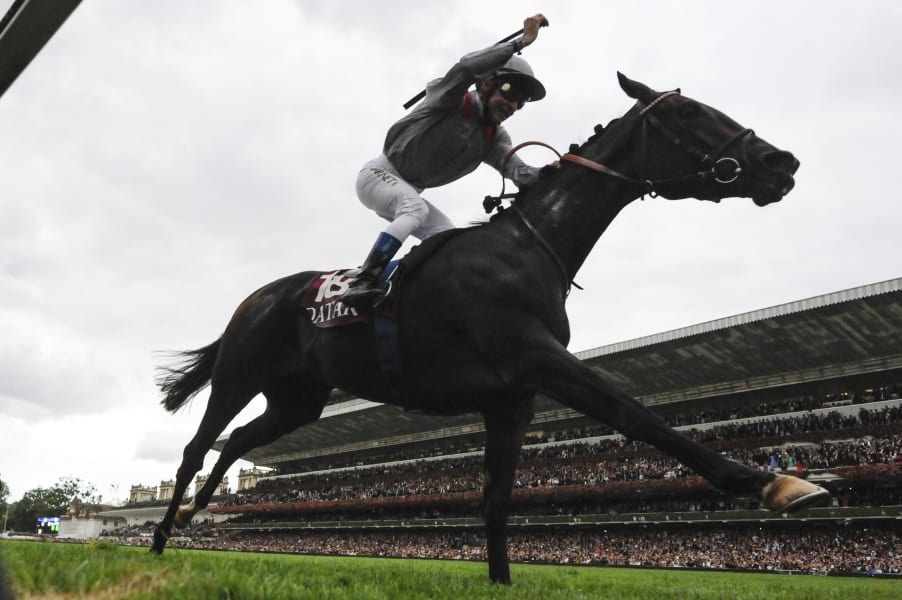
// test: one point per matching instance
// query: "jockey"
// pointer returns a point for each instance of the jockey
(446, 137)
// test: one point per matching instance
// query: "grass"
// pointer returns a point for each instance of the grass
(105, 571)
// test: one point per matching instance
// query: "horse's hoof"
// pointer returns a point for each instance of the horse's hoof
(500, 576)
(160, 538)
(788, 494)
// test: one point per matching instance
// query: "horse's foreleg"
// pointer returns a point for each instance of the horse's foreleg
(505, 431)
(550, 369)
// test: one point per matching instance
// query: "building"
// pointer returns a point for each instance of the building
(140, 493)
(146, 505)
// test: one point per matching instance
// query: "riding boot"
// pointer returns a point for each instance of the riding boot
(364, 290)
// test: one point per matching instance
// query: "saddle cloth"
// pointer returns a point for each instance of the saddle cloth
(323, 304)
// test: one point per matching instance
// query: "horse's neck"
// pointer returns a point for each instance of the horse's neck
(580, 204)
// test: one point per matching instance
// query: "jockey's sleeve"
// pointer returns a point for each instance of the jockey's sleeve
(448, 90)
(516, 170)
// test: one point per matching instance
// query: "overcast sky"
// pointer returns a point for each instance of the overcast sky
(161, 160)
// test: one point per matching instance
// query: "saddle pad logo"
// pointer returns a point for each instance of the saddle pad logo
(323, 301)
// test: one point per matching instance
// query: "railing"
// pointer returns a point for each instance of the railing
(630, 519)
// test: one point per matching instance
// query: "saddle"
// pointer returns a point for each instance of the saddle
(322, 299)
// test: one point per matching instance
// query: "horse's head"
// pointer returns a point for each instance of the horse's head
(687, 149)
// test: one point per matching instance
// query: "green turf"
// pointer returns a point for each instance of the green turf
(55, 570)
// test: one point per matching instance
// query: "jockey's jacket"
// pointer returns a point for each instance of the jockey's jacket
(446, 136)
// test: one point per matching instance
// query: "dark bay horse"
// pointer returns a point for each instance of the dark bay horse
(482, 325)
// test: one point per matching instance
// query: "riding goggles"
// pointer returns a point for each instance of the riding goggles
(512, 94)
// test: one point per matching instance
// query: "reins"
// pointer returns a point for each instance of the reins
(491, 203)
(549, 249)
(723, 169)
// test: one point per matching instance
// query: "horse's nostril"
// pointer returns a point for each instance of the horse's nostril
(779, 160)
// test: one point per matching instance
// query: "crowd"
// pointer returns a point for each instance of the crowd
(696, 417)
(585, 457)
(602, 461)
(825, 549)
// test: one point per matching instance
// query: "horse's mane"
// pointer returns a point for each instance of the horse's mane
(598, 131)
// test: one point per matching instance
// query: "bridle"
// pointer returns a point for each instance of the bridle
(721, 169)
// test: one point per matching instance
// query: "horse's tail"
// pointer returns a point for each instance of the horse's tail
(181, 382)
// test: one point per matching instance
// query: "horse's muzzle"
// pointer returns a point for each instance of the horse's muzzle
(780, 167)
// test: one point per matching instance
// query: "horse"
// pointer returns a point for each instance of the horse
(482, 325)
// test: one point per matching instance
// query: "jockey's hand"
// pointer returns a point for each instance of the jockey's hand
(531, 28)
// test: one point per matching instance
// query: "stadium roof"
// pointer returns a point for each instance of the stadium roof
(850, 335)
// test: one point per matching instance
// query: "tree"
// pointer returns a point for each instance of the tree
(4, 494)
(49, 502)
(62, 492)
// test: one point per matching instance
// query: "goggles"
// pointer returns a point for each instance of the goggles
(512, 94)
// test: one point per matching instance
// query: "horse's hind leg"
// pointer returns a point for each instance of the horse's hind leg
(504, 436)
(223, 406)
(291, 401)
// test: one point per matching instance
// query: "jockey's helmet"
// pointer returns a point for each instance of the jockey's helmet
(518, 73)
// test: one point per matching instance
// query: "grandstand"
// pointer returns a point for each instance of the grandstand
(813, 387)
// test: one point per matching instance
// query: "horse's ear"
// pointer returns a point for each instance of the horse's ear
(635, 89)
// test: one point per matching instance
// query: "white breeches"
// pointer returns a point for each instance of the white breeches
(381, 189)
